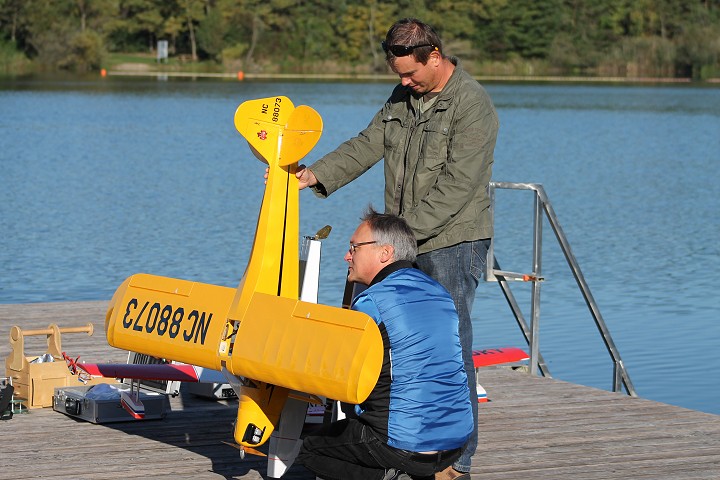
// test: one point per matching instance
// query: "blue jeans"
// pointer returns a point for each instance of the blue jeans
(459, 269)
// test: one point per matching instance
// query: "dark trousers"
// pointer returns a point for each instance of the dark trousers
(349, 450)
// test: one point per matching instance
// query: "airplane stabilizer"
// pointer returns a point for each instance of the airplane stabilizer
(169, 371)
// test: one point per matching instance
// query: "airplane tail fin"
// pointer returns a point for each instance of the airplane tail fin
(259, 408)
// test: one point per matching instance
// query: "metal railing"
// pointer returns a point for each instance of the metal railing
(494, 273)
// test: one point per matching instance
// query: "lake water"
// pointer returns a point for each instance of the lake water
(100, 179)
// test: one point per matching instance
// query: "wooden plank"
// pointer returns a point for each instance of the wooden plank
(533, 428)
(548, 429)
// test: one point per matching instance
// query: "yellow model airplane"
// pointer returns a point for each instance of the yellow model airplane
(271, 344)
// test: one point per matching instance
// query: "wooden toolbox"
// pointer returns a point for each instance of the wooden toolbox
(35, 377)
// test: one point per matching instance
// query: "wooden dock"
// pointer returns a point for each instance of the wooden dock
(532, 428)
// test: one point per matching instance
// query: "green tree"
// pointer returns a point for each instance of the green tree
(587, 32)
(139, 24)
(50, 28)
(361, 28)
(194, 13)
(698, 42)
(211, 33)
(13, 20)
(528, 27)
(469, 29)
(253, 21)
(93, 14)
(625, 37)
(85, 52)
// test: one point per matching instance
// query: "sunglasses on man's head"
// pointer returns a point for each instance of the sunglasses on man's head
(403, 50)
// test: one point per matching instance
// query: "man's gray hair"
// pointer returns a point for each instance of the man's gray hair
(392, 230)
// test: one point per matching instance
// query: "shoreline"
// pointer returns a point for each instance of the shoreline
(241, 76)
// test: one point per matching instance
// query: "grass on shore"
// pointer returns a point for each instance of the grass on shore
(149, 62)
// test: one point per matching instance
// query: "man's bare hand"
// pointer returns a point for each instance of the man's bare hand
(306, 177)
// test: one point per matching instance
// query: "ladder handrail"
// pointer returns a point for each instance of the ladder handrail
(542, 204)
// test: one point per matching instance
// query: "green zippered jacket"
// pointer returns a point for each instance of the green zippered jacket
(437, 163)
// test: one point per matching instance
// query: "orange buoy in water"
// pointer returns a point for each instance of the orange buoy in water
(103, 72)
(240, 75)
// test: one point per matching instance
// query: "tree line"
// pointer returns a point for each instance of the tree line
(667, 38)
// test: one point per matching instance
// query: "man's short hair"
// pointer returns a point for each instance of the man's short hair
(392, 230)
(409, 32)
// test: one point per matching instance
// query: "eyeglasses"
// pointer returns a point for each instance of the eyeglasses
(403, 50)
(354, 246)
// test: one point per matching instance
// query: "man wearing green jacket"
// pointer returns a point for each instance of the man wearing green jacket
(437, 134)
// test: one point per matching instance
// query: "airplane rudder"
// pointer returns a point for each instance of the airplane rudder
(259, 408)
(301, 134)
(261, 123)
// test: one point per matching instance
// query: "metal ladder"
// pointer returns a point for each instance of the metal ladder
(542, 206)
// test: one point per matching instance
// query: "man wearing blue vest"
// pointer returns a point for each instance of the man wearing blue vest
(418, 415)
